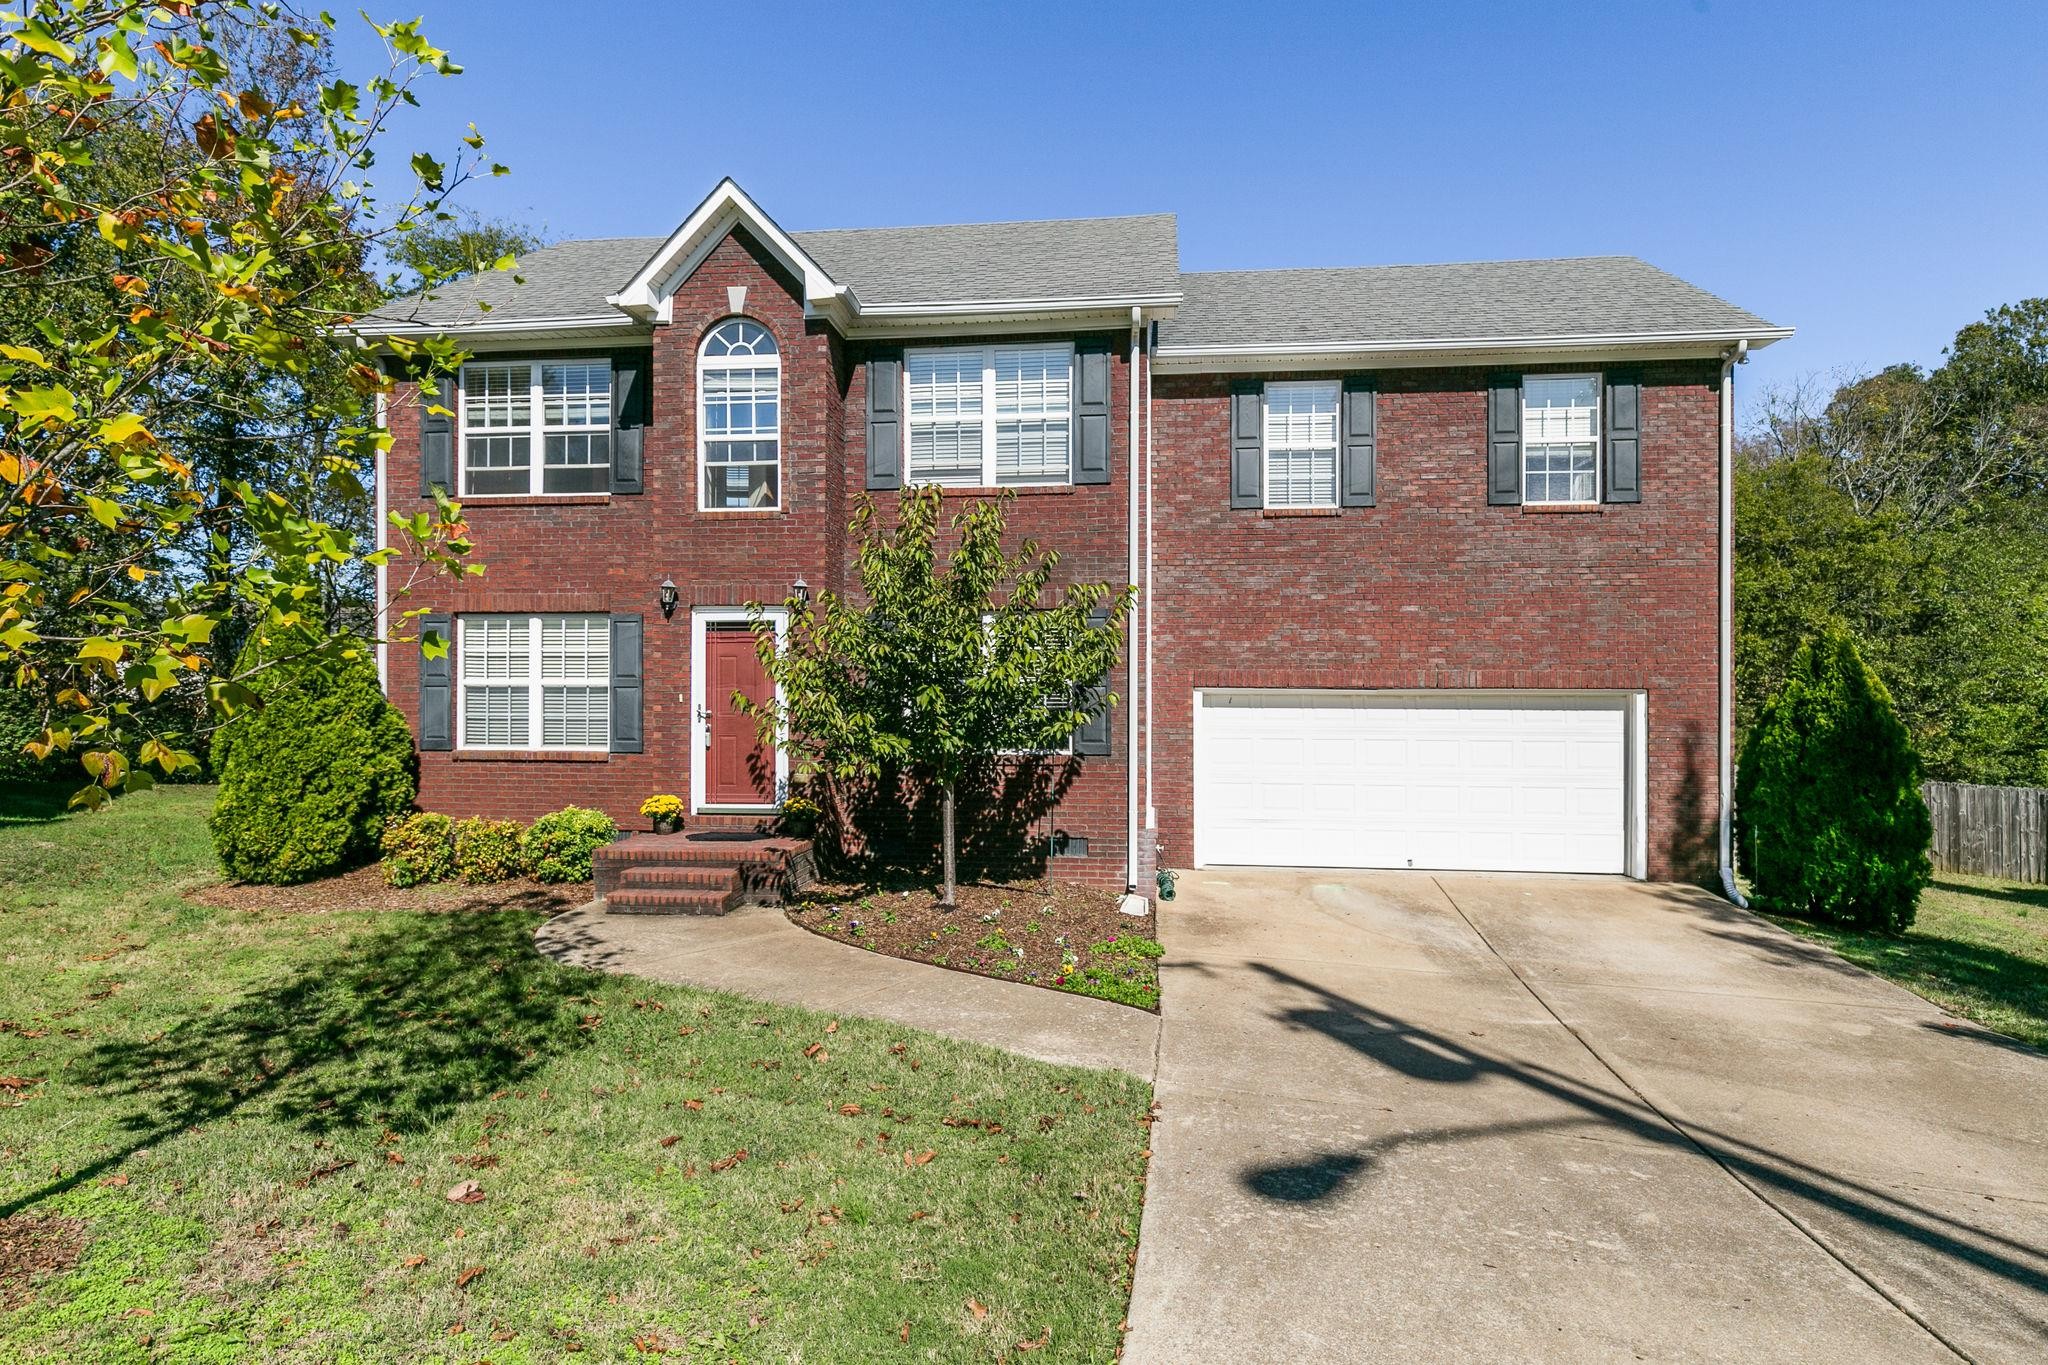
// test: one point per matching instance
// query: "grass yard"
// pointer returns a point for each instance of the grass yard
(245, 1125)
(1978, 947)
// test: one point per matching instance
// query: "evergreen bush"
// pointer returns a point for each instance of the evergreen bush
(557, 848)
(1830, 816)
(308, 778)
(419, 848)
(487, 850)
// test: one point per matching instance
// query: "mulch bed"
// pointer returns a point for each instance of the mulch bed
(364, 889)
(1019, 931)
(33, 1245)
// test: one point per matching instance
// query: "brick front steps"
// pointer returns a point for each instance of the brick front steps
(702, 872)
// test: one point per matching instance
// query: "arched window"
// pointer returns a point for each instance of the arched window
(739, 417)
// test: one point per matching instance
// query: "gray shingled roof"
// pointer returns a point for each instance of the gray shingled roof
(971, 262)
(1065, 258)
(1589, 295)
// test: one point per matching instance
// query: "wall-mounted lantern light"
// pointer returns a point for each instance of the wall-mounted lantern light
(669, 596)
(801, 591)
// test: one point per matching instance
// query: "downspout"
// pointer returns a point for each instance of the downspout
(383, 467)
(1151, 599)
(1130, 668)
(1737, 356)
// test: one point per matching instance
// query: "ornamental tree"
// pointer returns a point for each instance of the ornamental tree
(943, 662)
(1832, 821)
(187, 220)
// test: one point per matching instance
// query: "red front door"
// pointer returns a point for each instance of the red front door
(738, 769)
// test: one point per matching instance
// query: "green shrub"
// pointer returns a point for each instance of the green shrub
(1831, 820)
(558, 847)
(308, 778)
(419, 848)
(487, 850)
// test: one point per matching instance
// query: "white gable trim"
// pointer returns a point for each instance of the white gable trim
(648, 294)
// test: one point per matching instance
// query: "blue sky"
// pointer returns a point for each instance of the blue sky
(1871, 173)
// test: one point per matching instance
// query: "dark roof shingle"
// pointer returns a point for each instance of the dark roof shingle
(1581, 296)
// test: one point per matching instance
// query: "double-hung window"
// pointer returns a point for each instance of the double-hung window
(572, 402)
(739, 383)
(1301, 443)
(534, 682)
(1560, 438)
(984, 416)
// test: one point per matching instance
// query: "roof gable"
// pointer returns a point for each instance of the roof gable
(647, 294)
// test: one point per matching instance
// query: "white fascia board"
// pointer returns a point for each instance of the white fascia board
(986, 318)
(946, 308)
(726, 207)
(1418, 353)
(509, 330)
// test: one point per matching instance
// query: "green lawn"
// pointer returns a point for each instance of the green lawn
(1979, 947)
(258, 1118)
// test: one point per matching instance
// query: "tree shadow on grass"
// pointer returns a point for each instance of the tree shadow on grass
(34, 803)
(2034, 897)
(396, 1028)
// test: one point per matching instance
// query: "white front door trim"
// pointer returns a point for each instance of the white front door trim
(700, 730)
(1632, 704)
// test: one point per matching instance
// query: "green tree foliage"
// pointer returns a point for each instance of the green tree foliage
(309, 776)
(941, 664)
(187, 206)
(558, 846)
(1832, 821)
(436, 252)
(1911, 510)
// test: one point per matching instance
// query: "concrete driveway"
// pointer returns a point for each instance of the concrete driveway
(1415, 1117)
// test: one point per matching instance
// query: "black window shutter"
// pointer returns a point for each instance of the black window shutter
(437, 684)
(1624, 437)
(1092, 739)
(629, 420)
(437, 440)
(1504, 440)
(1247, 443)
(1091, 411)
(1360, 438)
(885, 419)
(628, 684)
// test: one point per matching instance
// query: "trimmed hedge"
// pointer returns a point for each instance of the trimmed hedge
(558, 847)
(419, 848)
(1830, 815)
(308, 778)
(487, 850)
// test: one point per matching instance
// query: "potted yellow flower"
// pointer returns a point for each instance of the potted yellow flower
(800, 816)
(665, 811)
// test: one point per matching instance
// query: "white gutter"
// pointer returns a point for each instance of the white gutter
(1762, 336)
(1738, 354)
(368, 327)
(1130, 664)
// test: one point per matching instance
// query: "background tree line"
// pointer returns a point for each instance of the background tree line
(1909, 509)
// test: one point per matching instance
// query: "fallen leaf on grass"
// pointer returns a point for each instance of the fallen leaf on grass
(413, 1262)
(918, 1158)
(140, 1313)
(979, 1310)
(832, 1026)
(916, 1214)
(726, 1163)
(116, 1180)
(850, 1110)
(817, 1051)
(672, 1139)
(322, 1172)
(903, 1332)
(649, 1005)
(693, 1104)
(465, 1192)
(792, 1208)
(394, 1158)
(456, 1329)
(649, 1345)
(1044, 1339)
(462, 1280)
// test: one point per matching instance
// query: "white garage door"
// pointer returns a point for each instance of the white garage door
(1511, 782)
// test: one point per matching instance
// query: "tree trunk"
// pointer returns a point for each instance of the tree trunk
(949, 896)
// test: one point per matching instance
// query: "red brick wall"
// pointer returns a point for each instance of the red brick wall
(601, 553)
(1435, 588)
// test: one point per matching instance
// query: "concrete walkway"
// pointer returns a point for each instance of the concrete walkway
(1407, 1117)
(757, 952)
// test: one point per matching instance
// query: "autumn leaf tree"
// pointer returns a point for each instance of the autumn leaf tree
(943, 662)
(189, 215)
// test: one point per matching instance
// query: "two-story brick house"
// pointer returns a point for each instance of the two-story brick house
(1432, 560)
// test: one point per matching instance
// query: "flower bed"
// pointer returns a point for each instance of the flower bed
(1052, 934)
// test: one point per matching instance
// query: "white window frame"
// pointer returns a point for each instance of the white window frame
(535, 682)
(990, 419)
(703, 440)
(536, 429)
(1599, 417)
(1336, 389)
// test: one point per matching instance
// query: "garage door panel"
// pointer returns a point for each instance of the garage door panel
(1500, 782)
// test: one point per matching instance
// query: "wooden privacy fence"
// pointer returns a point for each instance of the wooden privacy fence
(1990, 831)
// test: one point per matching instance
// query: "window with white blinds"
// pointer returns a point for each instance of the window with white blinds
(982, 416)
(1301, 443)
(534, 682)
(572, 400)
(739, 406)
(1561, 438)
